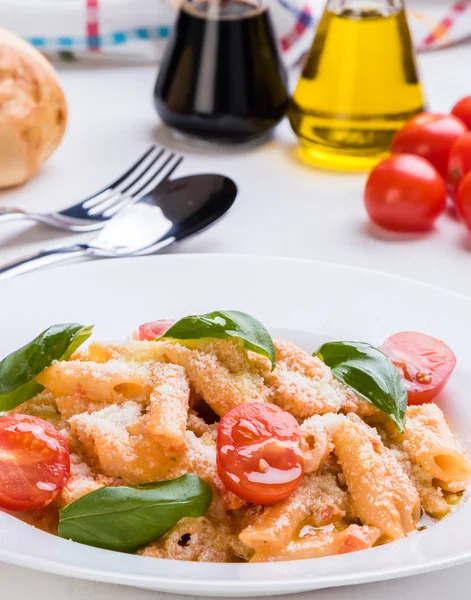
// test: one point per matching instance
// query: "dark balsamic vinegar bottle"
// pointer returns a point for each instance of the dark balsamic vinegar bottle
(222, 78)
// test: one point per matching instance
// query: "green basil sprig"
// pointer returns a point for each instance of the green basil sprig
(370, 374)
(126, 518)
(223, 324)
(20, 368)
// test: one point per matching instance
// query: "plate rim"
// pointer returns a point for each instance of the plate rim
(234, 255)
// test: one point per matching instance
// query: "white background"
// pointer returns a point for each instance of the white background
(283, 209)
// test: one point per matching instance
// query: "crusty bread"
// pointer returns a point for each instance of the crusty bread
(33, 110)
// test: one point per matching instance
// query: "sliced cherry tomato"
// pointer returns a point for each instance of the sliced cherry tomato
(462, 110)
(405, 193)
(430, 136)
(154, 329)
(459, 163)
(424, 362)
(34, 462)
(258, 453)
(463, 200)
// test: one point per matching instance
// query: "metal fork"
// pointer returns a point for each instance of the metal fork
(154, 167)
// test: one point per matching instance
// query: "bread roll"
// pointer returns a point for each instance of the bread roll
(33, 110)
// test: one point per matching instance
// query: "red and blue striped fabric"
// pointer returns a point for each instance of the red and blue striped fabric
(93, 26)
(439, 32)
(294, 16)
(123, 27)
(304, 20)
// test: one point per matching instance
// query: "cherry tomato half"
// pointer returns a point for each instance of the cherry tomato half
(405, 193)
(258, 453)
(424, 362)
(459, 163)
(34, 462)
(154, 329)
(462, 110)
(463, 200)
(430, 136)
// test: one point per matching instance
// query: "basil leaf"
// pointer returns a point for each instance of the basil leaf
(370, 374)
(126, 518)
(223, 324)
(20, 368)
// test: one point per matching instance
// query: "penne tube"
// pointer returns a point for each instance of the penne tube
(98, 382)
(324, 543)
(318, 499)
(113, 438)
(167, 413)
(429, 442)
(220, 386)
(383, 496)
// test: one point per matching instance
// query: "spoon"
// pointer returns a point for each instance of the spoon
(175, 210)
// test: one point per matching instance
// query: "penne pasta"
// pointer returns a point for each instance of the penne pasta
(318, 500)
(82, 481)
(200, 458)
(217, 382)
(104, 382)
(324, 543)
(429, 442)
(99, 352)
(167, 412)
(316, 443)
(331, 477)
(304, 386)
(113, 439)
(382, 494)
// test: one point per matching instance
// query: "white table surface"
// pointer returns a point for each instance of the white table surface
(283, 209)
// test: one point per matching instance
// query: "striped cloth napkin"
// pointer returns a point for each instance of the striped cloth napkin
(103, 28)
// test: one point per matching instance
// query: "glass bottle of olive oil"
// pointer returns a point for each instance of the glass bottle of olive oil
(359, 85)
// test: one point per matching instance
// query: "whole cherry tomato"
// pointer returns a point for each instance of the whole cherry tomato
(462, 110)
(424, 362)
(463, 200)
(405, 193)
(430, 136)
(459, 163)
(34, 462)
(258, 454)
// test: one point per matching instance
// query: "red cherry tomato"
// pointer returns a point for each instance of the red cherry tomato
(459, 163)
(424, 362)
(430, 136)
(405, 193)
(463, 200)
(462, 110)
(154, 329)
(34, 462)
(258, 453)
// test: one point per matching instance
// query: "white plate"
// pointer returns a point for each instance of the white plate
(303, 301)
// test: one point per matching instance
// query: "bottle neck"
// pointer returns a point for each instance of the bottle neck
(360, 7)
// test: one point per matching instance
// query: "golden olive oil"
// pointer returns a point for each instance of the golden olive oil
(358, 87)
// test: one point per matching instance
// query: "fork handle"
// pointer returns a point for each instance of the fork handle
(41, 259)
(12, 214)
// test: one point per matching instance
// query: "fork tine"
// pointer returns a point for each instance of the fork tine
(162, 175)
(145, 173)
(144, 170)
(148, 177)
(105, 191)
(131, 175)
